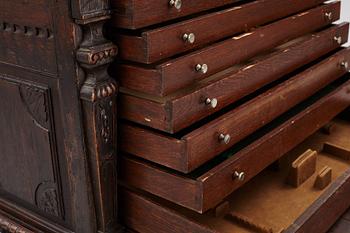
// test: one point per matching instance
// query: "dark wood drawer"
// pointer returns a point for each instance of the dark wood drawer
(204, 189)
(179, 110)
(153, 45)
(191, 148)
(134, 14)
(180, 72)
(306, 211)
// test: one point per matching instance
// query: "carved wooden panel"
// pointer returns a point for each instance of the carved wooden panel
(29, 171)
(28, 34)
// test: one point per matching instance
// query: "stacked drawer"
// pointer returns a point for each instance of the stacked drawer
(212, 93)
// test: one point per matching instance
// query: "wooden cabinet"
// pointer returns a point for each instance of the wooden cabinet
(57, 118)
(226, 115)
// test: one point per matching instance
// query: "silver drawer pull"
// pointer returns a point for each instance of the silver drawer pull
(338, 39)
(176, 3)
(202, 68)
(225, 138)
(329, 15)
(345, 65)
(239, 175)
(212, 102)
(190, 38)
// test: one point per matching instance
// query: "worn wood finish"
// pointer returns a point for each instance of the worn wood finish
(164, 78)
(179, 110)
(160, 43)
(134, 14)
(46, 181)
(147, 214)
(208, 190)
(202, 144)
(10, 226)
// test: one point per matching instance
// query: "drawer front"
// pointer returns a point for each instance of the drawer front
(207, 191)
(237, 49)
(186, 108)
(235, 125)
(134, 14)
(163, 42)
(207, 141)
(164, 79)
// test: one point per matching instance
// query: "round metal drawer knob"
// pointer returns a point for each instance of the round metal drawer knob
(329, 15)
(225, 138)
(202, 68)
(338, 39)
(212, 102)
(345, 65)
(190, 38)
(176, 3)
(239, 175)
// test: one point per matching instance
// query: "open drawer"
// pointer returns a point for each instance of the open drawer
(150, 45)
(181, 109)
(207, 186)
(199, 143)
(270, 202)
(172, 74)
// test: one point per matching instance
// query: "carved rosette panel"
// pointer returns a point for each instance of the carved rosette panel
(98, 95)
(36, 103)
(46, 199)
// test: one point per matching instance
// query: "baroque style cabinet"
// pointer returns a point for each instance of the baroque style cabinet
(57, 118)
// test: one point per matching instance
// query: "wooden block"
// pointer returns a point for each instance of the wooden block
(328, 128)
(302, 168)
(222, 209)
(336, 150)
(324, 178)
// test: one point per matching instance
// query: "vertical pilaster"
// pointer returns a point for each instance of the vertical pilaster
(98, 96)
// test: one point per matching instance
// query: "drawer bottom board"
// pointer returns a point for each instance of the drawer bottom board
(265, 204)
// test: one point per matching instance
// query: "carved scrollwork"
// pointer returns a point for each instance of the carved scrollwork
(35, 100)
(46, 199)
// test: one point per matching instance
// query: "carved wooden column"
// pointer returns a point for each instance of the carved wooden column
(98, 96)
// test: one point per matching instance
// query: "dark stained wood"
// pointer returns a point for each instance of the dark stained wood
(179, 110)
(156, 44)
(136, 13)
(49, 184)
(135, 208)
(208, 190)
(227, 53)
(342, 226)
(203, 143)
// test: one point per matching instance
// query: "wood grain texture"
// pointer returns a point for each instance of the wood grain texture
(163, 42)
(203, 144)
(181, 109)
(134, 14)
(217, 183)
(234, 50)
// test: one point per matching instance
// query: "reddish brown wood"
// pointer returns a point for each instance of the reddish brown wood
(160, 43)
(203, 143)
(184, 108)
(147, 214)
(229, 52)
(205, 192)
(136, 13)
(326, 210)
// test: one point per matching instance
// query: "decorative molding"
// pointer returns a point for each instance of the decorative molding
(12, 227)
(35, 100)
(46, 199)
(97, 55)
(26, 30)
(98, 95)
